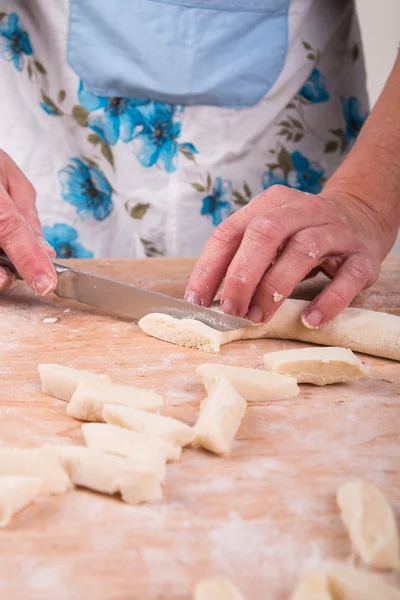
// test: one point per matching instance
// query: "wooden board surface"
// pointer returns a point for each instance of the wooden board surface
(260, 516)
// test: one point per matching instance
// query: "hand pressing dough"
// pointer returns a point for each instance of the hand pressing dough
(167, 428)
(61, 382)
(16, 492)
(253, 384)
(319, 366)
(361, 330)
(110, 474)
(370, 523)
(39, 462)
(219, 418)
(88, 399)
(216, 588)
(344, 582)
(141, 448)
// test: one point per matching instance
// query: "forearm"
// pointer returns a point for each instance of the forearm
(371, 171)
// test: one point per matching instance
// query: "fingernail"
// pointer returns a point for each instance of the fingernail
(313, 319)
(42, 284)
(228, 307)
(192, 297)
(255, 314)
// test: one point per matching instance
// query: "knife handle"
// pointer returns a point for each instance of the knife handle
(8, 264)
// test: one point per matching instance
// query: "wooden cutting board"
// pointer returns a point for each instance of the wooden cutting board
(260, 516)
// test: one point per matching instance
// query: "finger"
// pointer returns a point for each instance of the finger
(221, 247)
(23, 248)
(21, 191)
(209, 270)
(7, 279)
(303, 253)
(261, 241)
(356, 273)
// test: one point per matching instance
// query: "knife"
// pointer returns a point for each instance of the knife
(128, 300)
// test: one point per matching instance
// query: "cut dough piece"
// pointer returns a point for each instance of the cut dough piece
(172, 430)
(138, 447)
(88, 399)
(110, 474)
(41, 462)
(216, 588)
(366, 331)
(253, 384)
(319, 366)
(61, 381)
(184, 332)
(344, 583)
(219, 418)
(370, 523)
(16, 491)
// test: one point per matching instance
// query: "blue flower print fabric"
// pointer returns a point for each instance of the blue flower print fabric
(64, 239)
(217, 205)
(85, 187)
(14, 41)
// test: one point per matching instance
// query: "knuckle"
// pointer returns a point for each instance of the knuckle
(10, 222)
(304, 246)
(226, 233)
(238, 278)
(360, 272)
(339, 297)
(269, 285)
(267, 227)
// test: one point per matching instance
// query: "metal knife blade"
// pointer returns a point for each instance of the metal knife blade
(133, 302)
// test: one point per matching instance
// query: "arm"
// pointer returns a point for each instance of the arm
(282, 235)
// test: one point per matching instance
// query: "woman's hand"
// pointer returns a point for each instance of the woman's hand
(20, 231)
(265, 249)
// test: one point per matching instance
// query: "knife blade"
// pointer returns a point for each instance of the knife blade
(130, 301)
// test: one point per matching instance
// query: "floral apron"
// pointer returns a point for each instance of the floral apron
(151, 171)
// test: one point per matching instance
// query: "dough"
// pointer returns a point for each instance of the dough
(41, 462)
(370, 523)
(314, 586)
(216, 588)
(319, 366)
(60, 381)
(141, 448)
(110, 474)
(172, 430)
(16, 491)
(344, 583)
(88, 399)
(253, 384)
(219, 418)
(361, 330)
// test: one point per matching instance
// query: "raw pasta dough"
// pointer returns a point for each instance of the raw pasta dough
(111, 474)
(216, 588)
(172, 430)
(88, 400)
(16, 491)
(253, 384)
(371, 524)
(41, 462)
(61, 381)
(338, 581)
(361, 330)
(144, 449)
(319, 366)
(219, 418)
